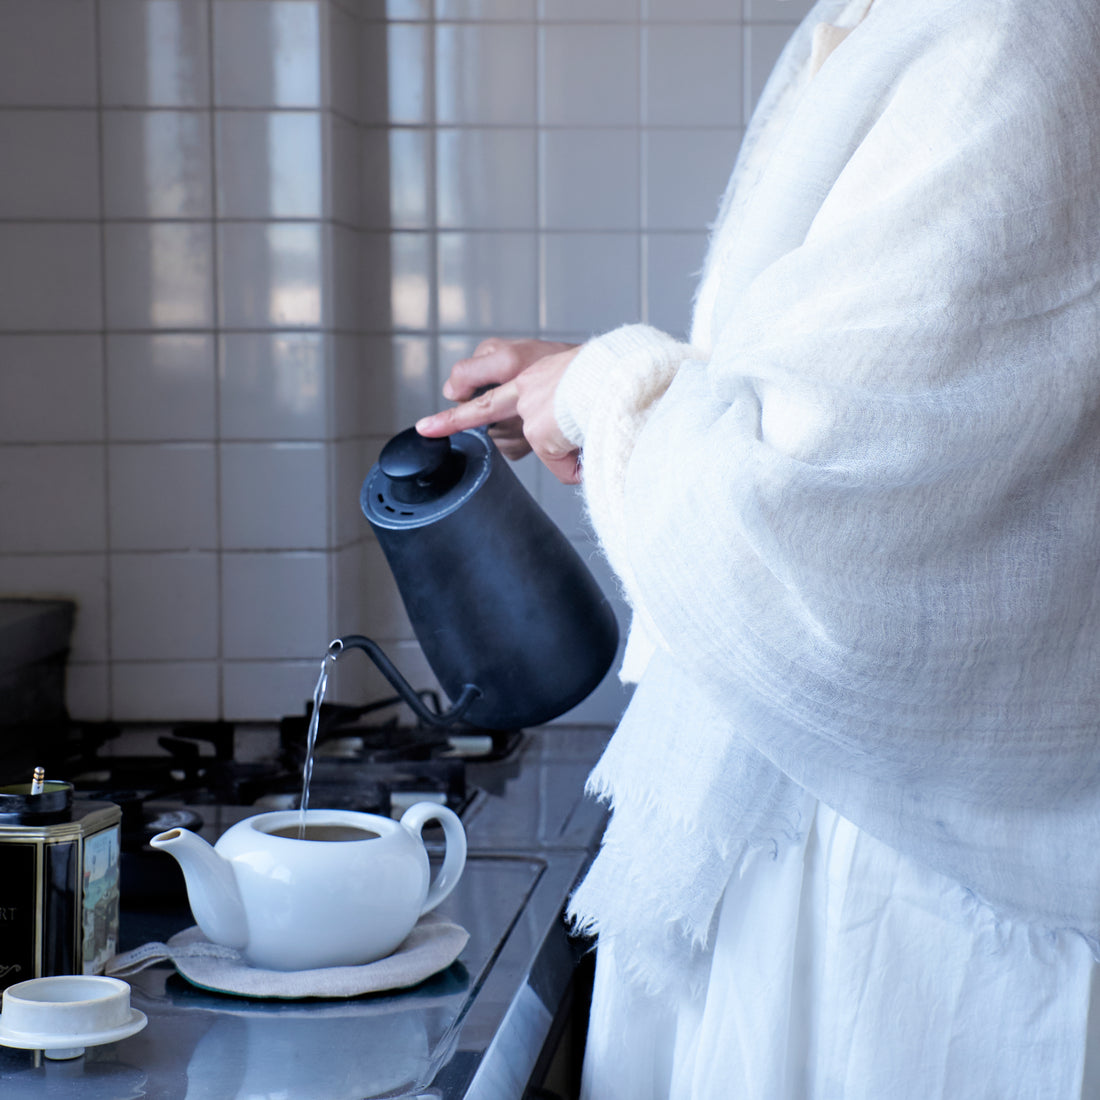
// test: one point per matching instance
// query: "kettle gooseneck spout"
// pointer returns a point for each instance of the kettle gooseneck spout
(211, 887)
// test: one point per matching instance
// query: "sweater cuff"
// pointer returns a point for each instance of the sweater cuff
(629, 351)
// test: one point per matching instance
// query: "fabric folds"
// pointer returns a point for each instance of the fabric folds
(857, 515)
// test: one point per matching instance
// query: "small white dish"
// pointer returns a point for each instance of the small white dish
(64, 1014)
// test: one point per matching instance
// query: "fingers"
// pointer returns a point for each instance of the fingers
(497, 404)
(494, 361)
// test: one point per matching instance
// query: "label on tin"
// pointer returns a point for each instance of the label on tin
(18, 907)
(101, 867)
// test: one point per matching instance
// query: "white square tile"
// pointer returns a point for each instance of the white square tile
(348, 588)
(485, 179)
(81, 578)
(275, 606)
(154, 53)
(395, 67)
(163, 496)
(763, 45)
(396, 9)
(348, 473)
(267, 53)
(51, 164)
(503, 58)
(384, 614)
(488, 281)
(164, 607)
(599, 11)
(262, 691)
(410, 280)
(396, 178)
(589, 75)
(164, 691)
(592, 281)
(674, 262)
(274, 496)
(270, 164)
(399, 383)
(776, 11)
(272, 386)
(692, 11)
(50, 277)
(270, 275)
(156, 164)
(679, 197)
(87, 694)
(511, 11)
(590, 179)
(51, 389)
(693, 76)
(52, 498)
(47, 53)
(161, 387)
(159, 275)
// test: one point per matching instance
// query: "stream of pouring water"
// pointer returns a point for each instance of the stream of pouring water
(311, 739)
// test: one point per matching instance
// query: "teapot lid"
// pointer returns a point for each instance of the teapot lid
(419, 480)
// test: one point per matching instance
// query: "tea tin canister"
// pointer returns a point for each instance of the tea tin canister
(59, 876)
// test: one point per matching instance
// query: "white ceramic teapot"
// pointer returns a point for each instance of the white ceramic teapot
(346, 894)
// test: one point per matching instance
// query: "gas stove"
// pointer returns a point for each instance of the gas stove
(482, 1029)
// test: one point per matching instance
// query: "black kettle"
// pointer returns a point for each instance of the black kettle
(511, 621)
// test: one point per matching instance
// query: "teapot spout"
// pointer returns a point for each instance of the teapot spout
(211, 887)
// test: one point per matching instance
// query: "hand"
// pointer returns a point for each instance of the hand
(493, 362)
(527, 398)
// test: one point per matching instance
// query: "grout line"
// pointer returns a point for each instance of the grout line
(108, 626)
(216, 331)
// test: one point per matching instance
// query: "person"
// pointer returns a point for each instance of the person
(854, 849)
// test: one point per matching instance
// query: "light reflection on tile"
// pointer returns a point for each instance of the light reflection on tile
(272, 386)
(156, 164)
(270, 164)
(270, 275)
(267, 54)
(159, 275)
(411, 279)
(154, 53)
(485, 74)
(488, 281)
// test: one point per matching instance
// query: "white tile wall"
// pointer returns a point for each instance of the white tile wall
(242, 241)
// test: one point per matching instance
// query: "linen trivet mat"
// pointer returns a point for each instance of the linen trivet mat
(429, 948)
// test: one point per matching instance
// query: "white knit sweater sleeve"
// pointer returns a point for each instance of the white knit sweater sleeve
(620, 375)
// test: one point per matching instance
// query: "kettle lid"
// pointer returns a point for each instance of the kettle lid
(417, 480)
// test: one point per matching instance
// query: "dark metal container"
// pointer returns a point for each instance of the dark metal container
(59, 868)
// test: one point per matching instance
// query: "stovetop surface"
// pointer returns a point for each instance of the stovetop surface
(473, 1031)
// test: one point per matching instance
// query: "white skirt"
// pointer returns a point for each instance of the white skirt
(844, 971)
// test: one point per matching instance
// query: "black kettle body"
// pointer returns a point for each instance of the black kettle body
(500, 600)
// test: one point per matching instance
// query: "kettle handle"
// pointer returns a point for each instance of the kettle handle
(454, 860)
(470, 692)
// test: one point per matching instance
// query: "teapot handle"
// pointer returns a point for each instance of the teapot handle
(454, 859)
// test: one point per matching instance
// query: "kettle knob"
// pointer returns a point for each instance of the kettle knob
(419, 468)
(411, 455)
